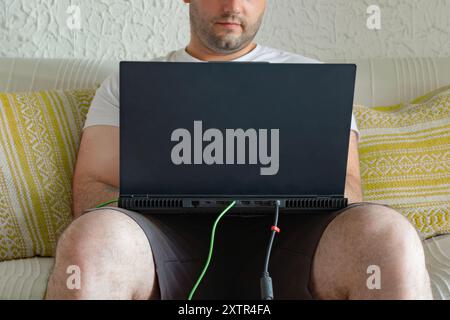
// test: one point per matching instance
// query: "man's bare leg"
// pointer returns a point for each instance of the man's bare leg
(113, 255)
(370, 235)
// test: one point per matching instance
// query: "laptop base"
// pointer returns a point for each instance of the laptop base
(244, 205)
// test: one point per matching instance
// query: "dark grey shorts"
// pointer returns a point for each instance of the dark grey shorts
(180, 246)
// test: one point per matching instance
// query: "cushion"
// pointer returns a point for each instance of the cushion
(437, 257)
(39, 139)
(405, 159)
(25, 279)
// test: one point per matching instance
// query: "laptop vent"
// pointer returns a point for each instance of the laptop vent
(317, 203)
(154, 203)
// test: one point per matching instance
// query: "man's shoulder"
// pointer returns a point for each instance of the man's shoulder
(113, 78)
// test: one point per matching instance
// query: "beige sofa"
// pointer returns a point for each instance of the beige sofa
(379, 82)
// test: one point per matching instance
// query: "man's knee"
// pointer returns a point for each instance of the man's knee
(361, 237)
(376, 224)
(109, 249)
(100, 235)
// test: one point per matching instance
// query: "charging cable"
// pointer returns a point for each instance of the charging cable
(266, 280)
(211, 248)
(106, 203)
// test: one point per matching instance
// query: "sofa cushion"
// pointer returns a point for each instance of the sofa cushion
(405, 159)
(39, 138)
(437, 257)
(25, 279)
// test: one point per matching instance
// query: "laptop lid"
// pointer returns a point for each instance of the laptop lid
(234, 129)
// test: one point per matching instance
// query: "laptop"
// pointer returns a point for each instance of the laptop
(196, 136)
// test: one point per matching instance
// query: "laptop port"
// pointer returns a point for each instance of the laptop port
(264, 203)
(222, 203)
(195, 203)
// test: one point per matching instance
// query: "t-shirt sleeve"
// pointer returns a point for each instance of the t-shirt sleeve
(354, 126)
(104, 108)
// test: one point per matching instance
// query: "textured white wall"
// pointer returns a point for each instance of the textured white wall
(142, 29)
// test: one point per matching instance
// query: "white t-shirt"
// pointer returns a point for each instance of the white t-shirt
(104, 109)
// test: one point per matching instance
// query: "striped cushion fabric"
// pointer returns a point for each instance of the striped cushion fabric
(405, 159)
(39, 138)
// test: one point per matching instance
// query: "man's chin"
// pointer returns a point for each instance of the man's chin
(229, 41)
(228, 48)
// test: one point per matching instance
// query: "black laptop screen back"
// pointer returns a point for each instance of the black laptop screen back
(161, 103)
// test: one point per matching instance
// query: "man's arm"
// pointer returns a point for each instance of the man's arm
(353, 189)
(96, 177)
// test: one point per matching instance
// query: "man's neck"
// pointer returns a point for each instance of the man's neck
(204, 54)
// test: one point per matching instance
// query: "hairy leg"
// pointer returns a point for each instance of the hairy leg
(357, 243)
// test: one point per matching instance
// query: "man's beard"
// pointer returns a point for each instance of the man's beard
(225, 43)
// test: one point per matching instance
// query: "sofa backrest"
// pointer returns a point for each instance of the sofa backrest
(20, 74)
(388, 81)
(379, 81)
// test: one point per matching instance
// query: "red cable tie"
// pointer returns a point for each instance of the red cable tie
(276, 229)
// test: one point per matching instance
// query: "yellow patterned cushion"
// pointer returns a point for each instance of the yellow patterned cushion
(39, 138)
(405, 159)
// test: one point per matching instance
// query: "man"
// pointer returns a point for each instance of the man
(126, 255)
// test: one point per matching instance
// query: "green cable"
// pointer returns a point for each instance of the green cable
(211, 248)
(106, 203)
